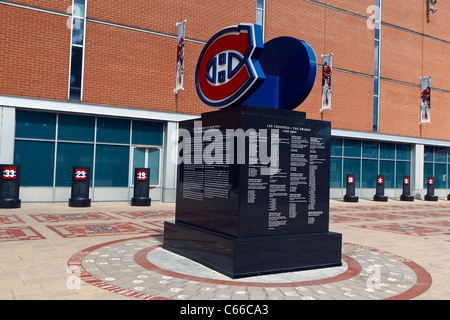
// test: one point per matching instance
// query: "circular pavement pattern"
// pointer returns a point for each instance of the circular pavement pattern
(139, 268)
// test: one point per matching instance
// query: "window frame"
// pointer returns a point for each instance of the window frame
(72, 45)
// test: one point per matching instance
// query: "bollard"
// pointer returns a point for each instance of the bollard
(430, 190)
(9, 186)
(406, 195)
(79, 196)
(350, 195)
(379, 195)
(141, 187)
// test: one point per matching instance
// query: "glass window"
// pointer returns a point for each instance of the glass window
(427, 172)
(37, 125)
(76, 128)
(111, 166)
(440, 154)
(138, 158)
(153, 164)
(387, 150)
(69, 155)
(113, 130)
(369, 173)
(440, 176)
(448, 172)
(78, 31)
(403, 169)
(79, 8)
(336, 147)
(352, 148)
(403, 152)
(352, 166)
(36, 159)
(387, 169)
(336, 173)
(259, 17)
(428, 153)
(370, 149)
(260, 12)
(76, 68)
(147, 133)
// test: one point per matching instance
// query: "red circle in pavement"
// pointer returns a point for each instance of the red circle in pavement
(423, 282)
(353, 269)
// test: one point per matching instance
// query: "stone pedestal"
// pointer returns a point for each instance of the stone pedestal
(264, 211)
(350, 194)
(430, 196)
(406, 195)
(10, 186)
(379, 191)
(79, 194)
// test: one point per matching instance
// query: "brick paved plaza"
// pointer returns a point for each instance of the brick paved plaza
(111, 250)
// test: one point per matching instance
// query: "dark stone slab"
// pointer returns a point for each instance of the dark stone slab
(254, 202)
(251, 256)
(141, 191)
(79, 193)
(10, 186)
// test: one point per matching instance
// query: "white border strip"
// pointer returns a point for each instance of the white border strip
(341, 133)
(92, 109)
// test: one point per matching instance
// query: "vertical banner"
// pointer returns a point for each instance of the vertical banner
(326, 81)
(425, 91)
(180, 56)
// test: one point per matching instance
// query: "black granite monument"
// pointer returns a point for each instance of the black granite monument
(141, 192)
(251, 218)
(430, 196)
(350, 195)
(79, 194)
(253, 177)
(379, 191)
(406, 195)
(10, 186)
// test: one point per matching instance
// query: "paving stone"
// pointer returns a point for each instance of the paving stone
(395, 246)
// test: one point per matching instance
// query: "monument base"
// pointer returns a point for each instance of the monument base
(10, 203)
(431, 197)
(380, 198)
(406, 197)
(141, 202)
(351, 198)
(238, 257)
(73, 202)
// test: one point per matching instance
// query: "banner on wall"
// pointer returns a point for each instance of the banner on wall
(326, 81)
(180, 56)
(425, 92)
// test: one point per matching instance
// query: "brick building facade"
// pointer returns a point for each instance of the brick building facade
(105, 87)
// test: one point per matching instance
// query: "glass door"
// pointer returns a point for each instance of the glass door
(147, 157)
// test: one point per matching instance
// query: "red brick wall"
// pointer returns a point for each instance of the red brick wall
(141, 72)
(136, 69)
(204, 18)
(34, 54)
(54, 5)
(345, 113)
(399, 109)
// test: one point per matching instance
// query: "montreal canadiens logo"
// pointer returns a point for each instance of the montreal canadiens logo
(228, 70)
